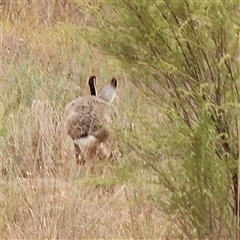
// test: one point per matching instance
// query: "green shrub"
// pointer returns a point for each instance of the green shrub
(185, 56)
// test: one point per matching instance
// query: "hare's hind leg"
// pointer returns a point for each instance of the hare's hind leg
(78, 155)
(103, 150)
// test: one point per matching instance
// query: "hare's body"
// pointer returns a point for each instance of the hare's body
(88, 123)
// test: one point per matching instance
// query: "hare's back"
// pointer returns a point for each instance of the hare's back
(85, 116)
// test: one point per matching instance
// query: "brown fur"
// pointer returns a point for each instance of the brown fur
(89, 116)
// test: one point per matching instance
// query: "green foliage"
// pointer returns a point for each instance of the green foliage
(185, 56)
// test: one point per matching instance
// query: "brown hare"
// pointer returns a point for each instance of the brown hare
(88, 122)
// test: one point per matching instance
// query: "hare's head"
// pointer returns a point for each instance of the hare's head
(107, 93)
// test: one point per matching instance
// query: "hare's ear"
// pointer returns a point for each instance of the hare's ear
(92, 85)
(108, 93)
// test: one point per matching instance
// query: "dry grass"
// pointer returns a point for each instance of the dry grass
(44, 194)
(51, 208)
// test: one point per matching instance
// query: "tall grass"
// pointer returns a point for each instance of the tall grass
(43, 193)
(174, 119)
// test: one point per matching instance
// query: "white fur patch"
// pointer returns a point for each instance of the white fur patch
(85, 142)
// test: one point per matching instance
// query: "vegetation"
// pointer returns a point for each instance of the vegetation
(176, 116)
(185, 57)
